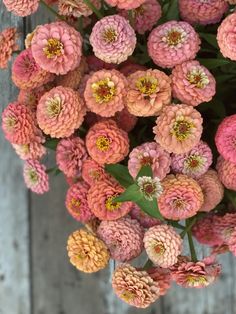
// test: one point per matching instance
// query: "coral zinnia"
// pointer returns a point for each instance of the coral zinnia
(113, 39)
(7, 45)
(178, 129)
(22, 7)
(227, 173)
(148, 92)
(92, 172)
(57, 47)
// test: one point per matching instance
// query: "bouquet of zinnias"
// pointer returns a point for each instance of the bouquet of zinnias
(137, 100)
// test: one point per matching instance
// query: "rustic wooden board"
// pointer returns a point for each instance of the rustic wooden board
(14, 254)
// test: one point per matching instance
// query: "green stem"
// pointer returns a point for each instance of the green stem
(175, 224)
(147, 265)
(52, 10)
(191, 244)
(80, 25)
(93, 8)
(188, 227)
(131, 18)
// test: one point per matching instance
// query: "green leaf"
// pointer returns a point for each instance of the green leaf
(51, 143)
(120, 173)
(145, 171)
(173, 11)
(231, 196)
(132, 193)
(210, 38)
(213, 63)
(150, 208)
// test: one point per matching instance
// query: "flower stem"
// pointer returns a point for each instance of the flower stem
(93, 8)
(52, 10)
(188, 227)
(190, 240)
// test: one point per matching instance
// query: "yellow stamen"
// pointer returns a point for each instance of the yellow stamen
(74, 203)
(104, 90)
(10, 123)
(110, 205)
(53, 106)
(159, 248)
(198, 78)
(174, 36)
(109, 35)
(196, 281)
(33, 176)
(54, 48)
(147, 85)
(182, 129)
(127, 295)
(103, 143)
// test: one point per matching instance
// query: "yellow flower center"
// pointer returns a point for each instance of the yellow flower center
(54, 106)
(25, 148)
(103, 143)
(109, 35)
(95, 174)
(182, 129)
(104, 90)
(10, 123)
(147, 85)
(179, 203)
(127, 295)
(198, 78)
(193, 162)
(74, 203)
(110, 205)
(159, 248)
(33, 176)
(54, 48)
(196, 281)
(174, 36)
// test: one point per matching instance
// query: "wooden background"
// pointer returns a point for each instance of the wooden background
(35, 275)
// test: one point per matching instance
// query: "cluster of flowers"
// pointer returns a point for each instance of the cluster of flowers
(89, 103)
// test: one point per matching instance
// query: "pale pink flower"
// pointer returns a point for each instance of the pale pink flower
(227, 173)
(8, 45)
(22, 7)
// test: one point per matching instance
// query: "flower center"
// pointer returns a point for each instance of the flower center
(147, 85)
(193, 162)
(103, 143)
(198, 78)
(54, 106)
(54, 48)
(110, 205)
(174, 36)
(74, 204)
(159, 248)
(178, 203)
(139, 11)
(95, 174)
(25, 148)
(104, 90)
(109, 35)
(149, 188)
(127, 295)
(10, 123)
(196, 281)
(33, 176)
(182, 129)
(146, 161)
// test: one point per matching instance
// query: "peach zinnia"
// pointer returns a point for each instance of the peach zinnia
(7, 45)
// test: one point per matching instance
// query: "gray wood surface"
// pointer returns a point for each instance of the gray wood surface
(35, 275)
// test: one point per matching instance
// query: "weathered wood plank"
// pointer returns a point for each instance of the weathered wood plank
(14, 255)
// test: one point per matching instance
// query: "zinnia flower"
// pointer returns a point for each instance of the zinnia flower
(144, 219)
(70, 155)
(86, 252)
(27, 74)
(195, 275)
(212, 189)
(162, 277)
(7, 45)
(125, 120)
(173, 43)
(92, 172)
(202, 12)
(60, 111)
(128, 67)
(192, 83)
(182, 197)
(178, 129)
(194, 163)
(31, 97)
(32, 150)
(105, 92)
(151, 154)
(232, 242)
(35, 176)
(106, 143)
(113, 39)
(100, 200)
(125, 4)
(123, 237)
(22, 7)
(226, 138)
(163, 245)
(226, 37)
(225, 226)
(135, 287)
(18, 123)
(76, 8)
(76, 202)
(57, 47)
(145, 16)
(148, 92)
(227, 173)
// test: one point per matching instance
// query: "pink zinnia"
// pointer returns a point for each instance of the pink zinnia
(92, 172)
(22, 7)
(123, 237)
(60, 111)
(35, 176)
(192, 83)
(106, 143)
(128, 67)
(212, 189)
(163, 245)
(105, 92)
(202, 12)
(226, 138)
(57, 47)
(95, 64)
(27, 74)
(173, 43)
(32, 150)
(76, 202)
(225, 226)
(31, 97)
(113, 39)
(100, 200)
(227, 173)
(76, 8)
(70, 155)
(18, 123)
(145, 16)
(148, 92)
(125, 4)
(226, 37)
(179, 128)
(144, 219)
(162, 277)
(7, 45)
(151, 154)
(194, 163)
(125, 120)
(182, 197)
